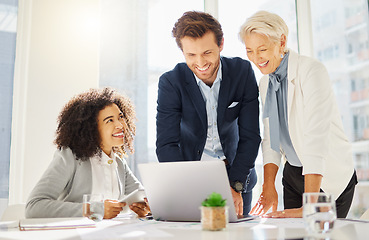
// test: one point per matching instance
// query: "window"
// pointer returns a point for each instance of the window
(348, 27)
(8, 23)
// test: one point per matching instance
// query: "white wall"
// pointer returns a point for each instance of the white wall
(57, 57)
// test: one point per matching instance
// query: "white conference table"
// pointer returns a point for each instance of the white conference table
(133, 228)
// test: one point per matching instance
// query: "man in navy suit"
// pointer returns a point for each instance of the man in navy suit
(208, 107)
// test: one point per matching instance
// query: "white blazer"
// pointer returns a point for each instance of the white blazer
(314, 124)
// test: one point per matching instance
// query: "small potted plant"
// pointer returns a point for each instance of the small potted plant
(214, 213)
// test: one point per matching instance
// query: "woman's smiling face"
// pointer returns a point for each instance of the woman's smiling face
(263, 52)
(111, 126)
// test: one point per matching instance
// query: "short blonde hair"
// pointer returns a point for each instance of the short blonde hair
(266, 23)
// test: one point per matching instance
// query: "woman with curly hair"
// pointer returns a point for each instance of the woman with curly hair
(94, 131)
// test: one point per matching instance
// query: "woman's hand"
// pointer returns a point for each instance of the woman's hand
(140, 208)
(312, 184)
(112, 208)
(268, 199)
(269, 196)
(287, 213)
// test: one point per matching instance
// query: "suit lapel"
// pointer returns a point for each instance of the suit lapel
(196, 97)
(223, 93)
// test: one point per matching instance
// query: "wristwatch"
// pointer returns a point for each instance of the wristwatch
(237, 186)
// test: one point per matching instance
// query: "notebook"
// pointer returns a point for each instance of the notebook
(175, 190)
(55, 223)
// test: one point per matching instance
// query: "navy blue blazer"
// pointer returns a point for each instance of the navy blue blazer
(181, 119)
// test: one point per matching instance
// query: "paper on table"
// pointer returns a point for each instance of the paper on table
(55, 223)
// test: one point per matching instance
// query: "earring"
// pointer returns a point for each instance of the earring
(281, 55)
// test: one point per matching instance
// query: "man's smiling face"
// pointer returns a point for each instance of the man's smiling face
(202, 56)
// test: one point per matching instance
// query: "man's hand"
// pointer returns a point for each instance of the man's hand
(238, 202)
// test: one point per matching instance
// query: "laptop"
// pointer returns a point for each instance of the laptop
(175, 190)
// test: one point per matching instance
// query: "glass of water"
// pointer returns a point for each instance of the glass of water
(93, 206)
(319, 212)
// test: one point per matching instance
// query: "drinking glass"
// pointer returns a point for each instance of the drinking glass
(93, 206)
(319, 212)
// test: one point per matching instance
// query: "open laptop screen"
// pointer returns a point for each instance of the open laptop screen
(175, 190)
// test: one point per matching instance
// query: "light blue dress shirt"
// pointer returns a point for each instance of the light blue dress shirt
(213, 148)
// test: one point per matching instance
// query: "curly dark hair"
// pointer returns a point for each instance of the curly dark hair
(196, 24)
(77, 122)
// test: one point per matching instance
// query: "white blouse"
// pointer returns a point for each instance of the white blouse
(105, 176)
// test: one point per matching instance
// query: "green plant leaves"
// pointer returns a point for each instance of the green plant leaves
(214, 200)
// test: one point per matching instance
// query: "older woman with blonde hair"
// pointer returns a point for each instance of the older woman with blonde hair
(301, 120)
